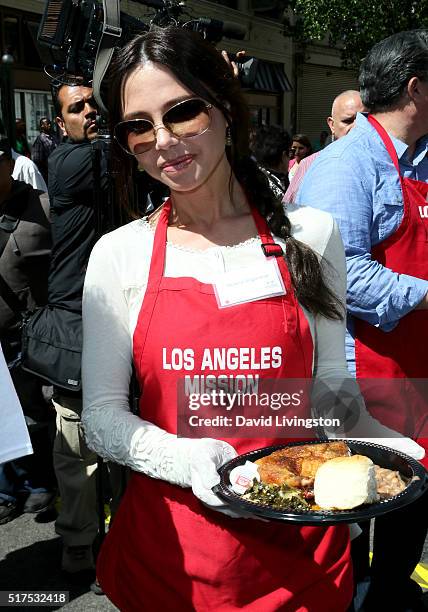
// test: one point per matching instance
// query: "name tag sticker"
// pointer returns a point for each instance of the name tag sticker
(262, 280)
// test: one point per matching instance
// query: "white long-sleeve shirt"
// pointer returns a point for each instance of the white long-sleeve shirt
(115, 285)
(114, 290)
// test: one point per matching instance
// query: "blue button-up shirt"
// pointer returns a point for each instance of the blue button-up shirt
(355, 180)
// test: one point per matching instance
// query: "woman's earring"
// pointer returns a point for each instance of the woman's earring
(228, 137)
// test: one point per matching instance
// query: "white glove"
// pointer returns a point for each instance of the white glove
(401, 444)
(205, 457)
(185, 462)
(380, 434)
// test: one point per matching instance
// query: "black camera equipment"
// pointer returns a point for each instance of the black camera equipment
(81, 36)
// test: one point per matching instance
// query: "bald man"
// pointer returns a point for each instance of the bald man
(343, 114)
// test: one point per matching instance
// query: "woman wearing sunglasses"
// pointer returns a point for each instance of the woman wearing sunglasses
(152, 300)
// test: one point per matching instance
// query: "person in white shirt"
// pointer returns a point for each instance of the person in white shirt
(156, 297)
(26, 170)
(14, 438)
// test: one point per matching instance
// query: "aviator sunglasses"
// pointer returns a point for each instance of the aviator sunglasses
(183, 120)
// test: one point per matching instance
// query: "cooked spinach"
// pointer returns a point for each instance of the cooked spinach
(279, 497)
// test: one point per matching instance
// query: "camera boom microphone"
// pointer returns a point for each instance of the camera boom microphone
(214, 29)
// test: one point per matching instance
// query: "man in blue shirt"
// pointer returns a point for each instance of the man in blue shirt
(355, 180)
(375, 183)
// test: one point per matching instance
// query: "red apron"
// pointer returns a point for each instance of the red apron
(166, 550)
(400, 353)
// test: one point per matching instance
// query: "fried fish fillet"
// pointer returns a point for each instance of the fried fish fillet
(296, 466)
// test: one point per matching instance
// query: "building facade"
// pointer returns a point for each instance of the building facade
(293, 88)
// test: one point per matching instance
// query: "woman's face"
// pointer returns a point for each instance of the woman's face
(300, 150)
(183, 164)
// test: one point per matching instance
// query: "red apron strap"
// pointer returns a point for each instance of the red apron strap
(264, 233)
(270, 248)
(386, 140)
(157, 263)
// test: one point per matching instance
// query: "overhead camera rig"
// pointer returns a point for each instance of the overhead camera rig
(81, 37)
(82, 34)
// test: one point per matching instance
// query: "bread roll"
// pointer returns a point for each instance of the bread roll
(345, 482)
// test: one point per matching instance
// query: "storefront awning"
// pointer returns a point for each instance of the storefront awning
(270, 76)
(261, 75)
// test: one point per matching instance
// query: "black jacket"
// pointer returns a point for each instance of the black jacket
(42, 147)
(71, 196)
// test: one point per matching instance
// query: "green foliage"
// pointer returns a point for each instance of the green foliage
(355, 25)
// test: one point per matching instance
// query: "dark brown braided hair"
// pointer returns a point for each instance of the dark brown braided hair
(201, 68)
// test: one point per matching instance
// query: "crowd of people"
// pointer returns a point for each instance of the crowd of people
(25, 242)
(343, 226)
(43, 261)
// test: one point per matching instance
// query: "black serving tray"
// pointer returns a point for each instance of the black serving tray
(380, 455)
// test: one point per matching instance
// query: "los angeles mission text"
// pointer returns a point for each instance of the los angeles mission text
(219, 379)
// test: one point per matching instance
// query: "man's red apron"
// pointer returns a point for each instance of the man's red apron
(402, 352)
(166, 550)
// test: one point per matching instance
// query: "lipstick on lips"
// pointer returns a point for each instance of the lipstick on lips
(179, 163)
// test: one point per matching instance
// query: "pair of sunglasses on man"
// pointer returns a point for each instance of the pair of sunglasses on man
(184, 120)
